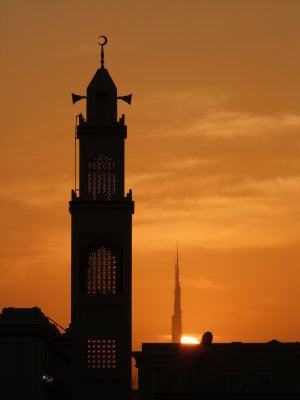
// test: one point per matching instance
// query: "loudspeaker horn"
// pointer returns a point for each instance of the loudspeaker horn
(127, 98)
(77, 97)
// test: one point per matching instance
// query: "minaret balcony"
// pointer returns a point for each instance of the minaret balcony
(119, 129)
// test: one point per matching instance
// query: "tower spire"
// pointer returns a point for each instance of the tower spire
(102, 52)
(101, 104)
(176, 318)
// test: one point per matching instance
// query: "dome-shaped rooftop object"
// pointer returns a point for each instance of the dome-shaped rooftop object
(207, 338)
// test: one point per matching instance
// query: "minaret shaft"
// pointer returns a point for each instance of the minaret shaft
(101, 266)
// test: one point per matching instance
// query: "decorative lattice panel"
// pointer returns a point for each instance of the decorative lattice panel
(101, 353)
(101, 177)
(101, 272)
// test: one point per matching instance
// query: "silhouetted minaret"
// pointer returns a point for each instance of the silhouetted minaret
(176, 318)
(101, 251)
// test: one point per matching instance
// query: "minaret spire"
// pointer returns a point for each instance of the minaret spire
(176, 318)
(102, 52)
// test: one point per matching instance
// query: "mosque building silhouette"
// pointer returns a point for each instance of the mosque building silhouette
(92, 358)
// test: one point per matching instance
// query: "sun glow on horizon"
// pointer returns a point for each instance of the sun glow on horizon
(189, 340)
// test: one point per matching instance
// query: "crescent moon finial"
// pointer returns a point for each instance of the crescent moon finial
(102, 52)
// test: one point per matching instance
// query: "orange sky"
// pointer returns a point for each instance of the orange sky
(212, 156)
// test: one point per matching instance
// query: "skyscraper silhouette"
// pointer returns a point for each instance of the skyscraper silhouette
(101, 251)
(176, 318)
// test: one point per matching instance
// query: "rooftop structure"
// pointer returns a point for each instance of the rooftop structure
(35, 356)
(219, 371)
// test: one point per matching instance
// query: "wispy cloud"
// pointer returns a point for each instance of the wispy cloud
(37, 191)
(221, 177)
(225, 221)
(75, 51)
(200, 282)
(191, 113)
(234, 124)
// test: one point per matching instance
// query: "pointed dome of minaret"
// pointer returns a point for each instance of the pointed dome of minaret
(101, 97)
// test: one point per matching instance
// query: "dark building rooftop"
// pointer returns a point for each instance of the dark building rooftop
(35, 360)
(219, 370)
(27, 318)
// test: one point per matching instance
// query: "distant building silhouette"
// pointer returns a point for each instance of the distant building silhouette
(219, 371)
(101, 251)
(34, 356)
(176, 318)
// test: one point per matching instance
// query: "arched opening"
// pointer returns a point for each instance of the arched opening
(101, 177)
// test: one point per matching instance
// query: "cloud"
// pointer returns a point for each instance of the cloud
(34, 191)
(79, 50)
(138, 178)
(200, 282)
(252, 214)
(207, 113)
(233, 124)
(217, 177)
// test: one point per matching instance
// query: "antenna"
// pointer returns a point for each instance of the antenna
(57, 324)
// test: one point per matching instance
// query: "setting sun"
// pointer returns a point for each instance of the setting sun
(189, 340)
